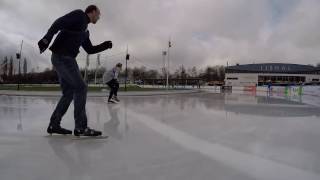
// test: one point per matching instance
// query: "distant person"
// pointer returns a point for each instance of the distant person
(73, 34)
(111, 79)
(269, 86)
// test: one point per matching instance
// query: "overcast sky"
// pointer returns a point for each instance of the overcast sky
(203, 32)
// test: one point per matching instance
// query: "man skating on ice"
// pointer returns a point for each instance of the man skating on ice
(73, 34)
(111, 79)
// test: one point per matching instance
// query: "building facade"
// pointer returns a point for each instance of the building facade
(275, 73)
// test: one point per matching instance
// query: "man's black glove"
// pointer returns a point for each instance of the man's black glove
(107, 44)
(43, 45)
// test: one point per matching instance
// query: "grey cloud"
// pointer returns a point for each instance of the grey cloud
(203, 32)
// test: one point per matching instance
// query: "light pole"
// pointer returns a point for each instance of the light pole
(164, 53)
(97, 65)
(168, 67)
(19, 58)
(126, 73)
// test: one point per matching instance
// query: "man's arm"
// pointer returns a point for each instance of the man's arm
(90, 49)
(64, 22)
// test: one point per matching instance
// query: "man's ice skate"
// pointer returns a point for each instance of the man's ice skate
(115, 98)
(86, 132)
(58, 130)
(111, 101)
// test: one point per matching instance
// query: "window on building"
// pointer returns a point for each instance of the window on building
(232, 78)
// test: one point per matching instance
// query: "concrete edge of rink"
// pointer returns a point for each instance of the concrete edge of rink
(98, 94)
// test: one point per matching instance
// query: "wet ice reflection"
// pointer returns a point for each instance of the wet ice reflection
(280, 130)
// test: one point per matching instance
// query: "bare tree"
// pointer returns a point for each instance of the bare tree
(11, 67)
(194, 72)
(5, 67)
(25, 68)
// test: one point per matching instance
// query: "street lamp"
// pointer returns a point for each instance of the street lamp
(164, 70)
(168, 67)
(127, 59)
(18, 56)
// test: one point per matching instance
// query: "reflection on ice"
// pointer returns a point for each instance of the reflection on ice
(175, 137)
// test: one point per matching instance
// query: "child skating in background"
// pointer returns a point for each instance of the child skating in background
(111, 79)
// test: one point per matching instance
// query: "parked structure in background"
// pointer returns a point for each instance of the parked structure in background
(275, 73)
(173, 82)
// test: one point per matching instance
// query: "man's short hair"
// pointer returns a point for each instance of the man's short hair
(91, 8)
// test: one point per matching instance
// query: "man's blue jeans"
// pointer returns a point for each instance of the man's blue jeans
(73, 88)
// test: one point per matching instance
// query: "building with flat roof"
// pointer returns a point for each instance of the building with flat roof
(275, 73)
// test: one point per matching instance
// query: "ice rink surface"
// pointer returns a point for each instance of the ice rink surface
(201, 136)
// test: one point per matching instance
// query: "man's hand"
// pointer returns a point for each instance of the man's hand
(107, 44)
(43, 45)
